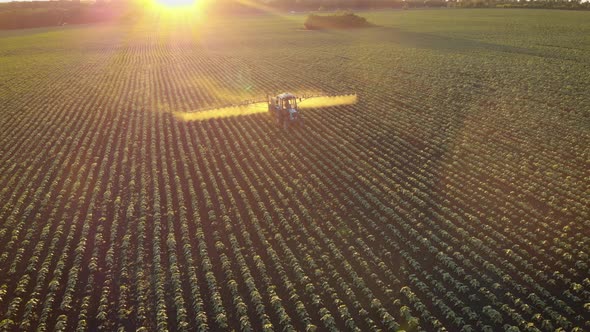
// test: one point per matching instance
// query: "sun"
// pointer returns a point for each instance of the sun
(176, 3)
(178, 6)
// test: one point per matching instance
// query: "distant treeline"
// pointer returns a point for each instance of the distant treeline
(381, 4)
(35, 14)
(32, 14)
(332, 5)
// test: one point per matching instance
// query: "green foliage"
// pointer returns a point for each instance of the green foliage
(7, 324)
(452, 196)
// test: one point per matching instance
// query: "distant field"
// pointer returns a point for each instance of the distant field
(455, 194)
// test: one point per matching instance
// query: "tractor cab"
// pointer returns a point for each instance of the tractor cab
(289, 103)
(284, 109)
(285, 101)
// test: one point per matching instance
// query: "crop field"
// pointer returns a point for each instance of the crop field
(452, 194)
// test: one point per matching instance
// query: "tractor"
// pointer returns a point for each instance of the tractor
(285, 111)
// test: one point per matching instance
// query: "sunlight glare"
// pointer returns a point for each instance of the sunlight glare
(177, 8)
(176, 3)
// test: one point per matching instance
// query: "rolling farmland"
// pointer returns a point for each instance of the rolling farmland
(455, 194)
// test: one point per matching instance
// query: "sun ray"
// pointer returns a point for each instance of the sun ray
(259, 6)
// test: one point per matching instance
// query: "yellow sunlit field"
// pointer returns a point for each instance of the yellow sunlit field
(439, 182)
